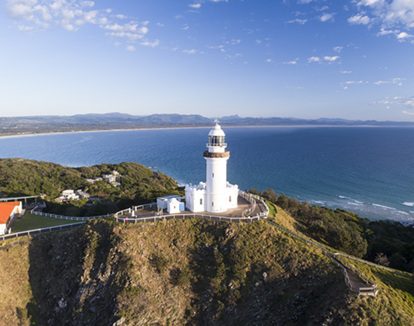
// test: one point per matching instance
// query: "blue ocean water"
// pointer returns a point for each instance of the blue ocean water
(366, 170)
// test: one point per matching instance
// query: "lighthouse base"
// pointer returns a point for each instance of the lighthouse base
(198, 200)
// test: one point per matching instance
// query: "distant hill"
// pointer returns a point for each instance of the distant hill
(41, 124)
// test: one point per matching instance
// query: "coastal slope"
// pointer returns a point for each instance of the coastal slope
(187, 272)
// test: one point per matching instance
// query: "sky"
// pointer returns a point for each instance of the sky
(293, 58)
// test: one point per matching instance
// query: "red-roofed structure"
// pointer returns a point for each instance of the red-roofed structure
(8, 210)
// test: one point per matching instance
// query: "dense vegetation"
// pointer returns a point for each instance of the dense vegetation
(192, 272)
(138, 185)
(384, 242)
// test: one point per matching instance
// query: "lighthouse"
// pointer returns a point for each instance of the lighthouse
(216, 195)
(216, 157)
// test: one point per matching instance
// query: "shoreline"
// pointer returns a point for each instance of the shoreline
(34, 134)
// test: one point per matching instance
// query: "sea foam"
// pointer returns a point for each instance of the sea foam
(408, 203)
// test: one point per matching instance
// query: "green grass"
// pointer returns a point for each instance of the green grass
(30, 222)
(272, 209)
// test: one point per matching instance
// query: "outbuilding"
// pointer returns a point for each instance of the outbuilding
(172, 204)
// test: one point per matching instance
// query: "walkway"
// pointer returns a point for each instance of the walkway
(18, 198)
(352, 279)
(252, 208)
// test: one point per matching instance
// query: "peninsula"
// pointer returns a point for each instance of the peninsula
(119, 121)
(194, 270)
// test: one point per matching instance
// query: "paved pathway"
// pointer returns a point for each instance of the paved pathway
(352, 278)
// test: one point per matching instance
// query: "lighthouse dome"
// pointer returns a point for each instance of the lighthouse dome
(217, 131)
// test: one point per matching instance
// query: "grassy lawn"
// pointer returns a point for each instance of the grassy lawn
(29, 222)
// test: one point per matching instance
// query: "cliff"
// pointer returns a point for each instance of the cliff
(188, 272)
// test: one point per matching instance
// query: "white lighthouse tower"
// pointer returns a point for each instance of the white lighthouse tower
(216, 171)
(216, 195)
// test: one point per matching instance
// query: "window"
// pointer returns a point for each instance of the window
(212, 174)
(212, 203)
(201, 201)
(230, 199)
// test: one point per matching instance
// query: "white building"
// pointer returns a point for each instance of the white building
(68, 194)
(8, 210)
(216, 195)
(112, 178)
(172, 204)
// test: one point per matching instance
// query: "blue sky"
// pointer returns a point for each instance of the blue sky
(292, 58)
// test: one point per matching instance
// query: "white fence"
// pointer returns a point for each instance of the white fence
(34, 211)
(190, 215)
(255, 201)
(40, 230)
(135, 208)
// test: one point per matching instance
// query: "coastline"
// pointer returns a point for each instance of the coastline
(34, 134)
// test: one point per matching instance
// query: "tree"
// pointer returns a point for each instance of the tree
(270, 195)
(398, 261)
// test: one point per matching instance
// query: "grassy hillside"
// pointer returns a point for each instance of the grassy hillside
(138, 184)
(186, 272)
(385, 242)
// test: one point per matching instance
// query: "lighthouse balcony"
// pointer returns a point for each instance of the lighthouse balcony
(216, 144)
(208, 154)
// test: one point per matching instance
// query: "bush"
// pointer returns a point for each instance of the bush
(159, 263)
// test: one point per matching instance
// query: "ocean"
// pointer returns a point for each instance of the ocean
(366, 170)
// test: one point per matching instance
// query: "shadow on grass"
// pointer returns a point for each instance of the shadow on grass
(76, 276)
(231, 289)
(398, 280)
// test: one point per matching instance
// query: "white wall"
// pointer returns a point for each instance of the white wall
(173, 206)
(161, 203)
(216, 183)
(2, 229)
(195, 199)
(233, 193)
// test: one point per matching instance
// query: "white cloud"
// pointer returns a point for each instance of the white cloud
(384, 32)
(403, 35)
(130, 48)
(349, 83)
(87, 3)
(326, 17)
(370, 2)
(291, 62)
(326, 58)
(338, 49)
(314, 59)
(71, 15)
(297, 21)
(399, 101)
(195, 5)
(394, 81)
(190, 51)
(346, 72)
(356, 82)
(150, 44)
(359, 20)
(394, 17)
(329, 58)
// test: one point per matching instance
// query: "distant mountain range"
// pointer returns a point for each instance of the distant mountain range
(43, 124)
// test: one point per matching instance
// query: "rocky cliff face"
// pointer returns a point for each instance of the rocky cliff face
(179, 272)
